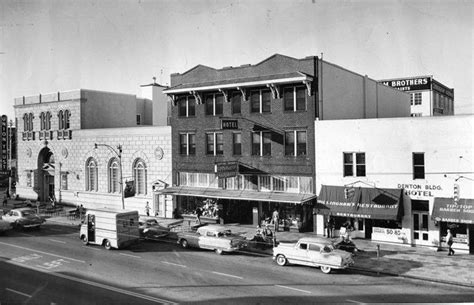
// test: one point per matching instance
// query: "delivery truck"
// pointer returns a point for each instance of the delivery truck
(110, 228)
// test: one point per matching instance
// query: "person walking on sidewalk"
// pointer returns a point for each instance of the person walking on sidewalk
(275, 219)
(147, 209)
(449, 241)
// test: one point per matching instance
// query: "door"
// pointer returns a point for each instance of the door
(471, 240)
(91, 228)
(420, 228)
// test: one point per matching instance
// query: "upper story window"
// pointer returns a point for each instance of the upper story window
(214, 104)
(237, 143)
(215, 143)
(139, 119)
(294, 98)
(354, 164)
(91, 175)
(187, 143)
(236, 101)
(418, 166)
(140, 176)
(415, 98)
(114, 176)
(28, 121)
(261, 143)
(45, 120)
(260, 101)
(298, 147)
(186, 106)
(63, 118)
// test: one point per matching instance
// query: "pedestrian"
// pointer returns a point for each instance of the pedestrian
(198, 215)
(330, 227)
(147, 209)
(449, 241)
(276, 219)
(5, 202)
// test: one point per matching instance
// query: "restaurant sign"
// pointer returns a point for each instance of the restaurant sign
(226, 169)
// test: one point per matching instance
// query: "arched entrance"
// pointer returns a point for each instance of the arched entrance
(46, 170)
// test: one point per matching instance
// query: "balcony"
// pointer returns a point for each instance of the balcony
(45, 135)
(28, 135)
(64, 134)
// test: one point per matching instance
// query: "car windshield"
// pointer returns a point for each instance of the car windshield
(327, 248)
(152, 222)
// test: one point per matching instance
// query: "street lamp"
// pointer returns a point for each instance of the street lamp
(117, 152)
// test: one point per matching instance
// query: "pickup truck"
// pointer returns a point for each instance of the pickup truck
(212, 237)
(314, 252)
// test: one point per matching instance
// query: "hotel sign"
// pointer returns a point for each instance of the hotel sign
(4, 143)
(409, 84)
(229, 124)
(227, 169)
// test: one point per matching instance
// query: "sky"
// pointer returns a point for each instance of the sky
(49, 46)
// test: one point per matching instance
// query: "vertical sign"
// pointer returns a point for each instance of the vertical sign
(456, 193)
(4, 136)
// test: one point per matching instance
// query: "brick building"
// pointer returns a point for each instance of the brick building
(243, 137)
(58, 158)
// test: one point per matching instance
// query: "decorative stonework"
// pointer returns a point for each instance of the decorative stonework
(159, 153)
(64, 152)
(28, 152)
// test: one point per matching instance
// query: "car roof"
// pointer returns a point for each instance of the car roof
(211, 227)
(317, 240)
(23, 209)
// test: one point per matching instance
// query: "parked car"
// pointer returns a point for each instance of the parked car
(5, 226)
(24, 218)
(149, 228)
(314, 252)
(213, 237)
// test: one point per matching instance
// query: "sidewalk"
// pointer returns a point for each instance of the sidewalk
(396, 260)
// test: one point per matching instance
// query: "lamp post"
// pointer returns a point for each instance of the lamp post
(117, 152)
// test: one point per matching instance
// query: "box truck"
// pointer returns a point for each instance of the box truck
(110, 228)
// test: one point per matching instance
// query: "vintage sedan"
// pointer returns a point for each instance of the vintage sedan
(314, 252)
(212, 237)
(24, 218)
(149, 228)
(5, 226)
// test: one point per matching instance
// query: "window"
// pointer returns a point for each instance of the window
(214, 104)
(28, 121)
(418, 166)
(294, 98)
(260, 101)
(236, 101)
(63, 181)
(298, 147)
(139, 175)
(357, 167)
(91, 175)
(187, 144)
(186, 106)
(416, 98)
(67, 115)
(28, 179)
(215, 143)
(63, 118)
(261, 143)
(114, 176)
(265, 183)
(45, 120)
(237, 143)
(139, 119)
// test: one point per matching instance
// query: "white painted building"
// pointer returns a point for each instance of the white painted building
(363, 165)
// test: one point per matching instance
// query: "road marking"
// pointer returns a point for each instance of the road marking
(92, 248)
(18, 292)
(177, 253)
(58, 241)
(352, 301)
(29, 235)
(229, 275)
(32, 250)
(103, 286)
(305, 291)
(168, 263)
(125, 254)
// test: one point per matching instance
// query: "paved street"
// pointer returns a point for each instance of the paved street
(163, 272)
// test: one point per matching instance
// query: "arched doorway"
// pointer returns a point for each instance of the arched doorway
(46, 170)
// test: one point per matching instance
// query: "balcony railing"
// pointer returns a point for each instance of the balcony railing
(64, 134)
(45, 135)
(28, 135)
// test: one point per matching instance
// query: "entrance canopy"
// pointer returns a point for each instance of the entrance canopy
(238, 194)
(446, 210)
(360, 202)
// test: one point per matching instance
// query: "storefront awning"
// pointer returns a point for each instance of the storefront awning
(444, 209)
(360, 202)
(238, 194)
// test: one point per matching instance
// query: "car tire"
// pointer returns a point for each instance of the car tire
(107, 244)
(184, 243)
(326, 269)
(85, 241)
(219, 251)
(281, 260)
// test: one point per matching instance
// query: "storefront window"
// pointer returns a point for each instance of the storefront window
(459, 231)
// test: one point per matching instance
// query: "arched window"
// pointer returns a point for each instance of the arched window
(139, 175)
(67, 115)
(60, 119)
(114, 176)
(30, 122)
(47, 123)
(91, 175)
(42, 121)
(26, 125)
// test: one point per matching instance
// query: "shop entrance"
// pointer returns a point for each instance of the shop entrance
(46, 175)
(420, 217)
